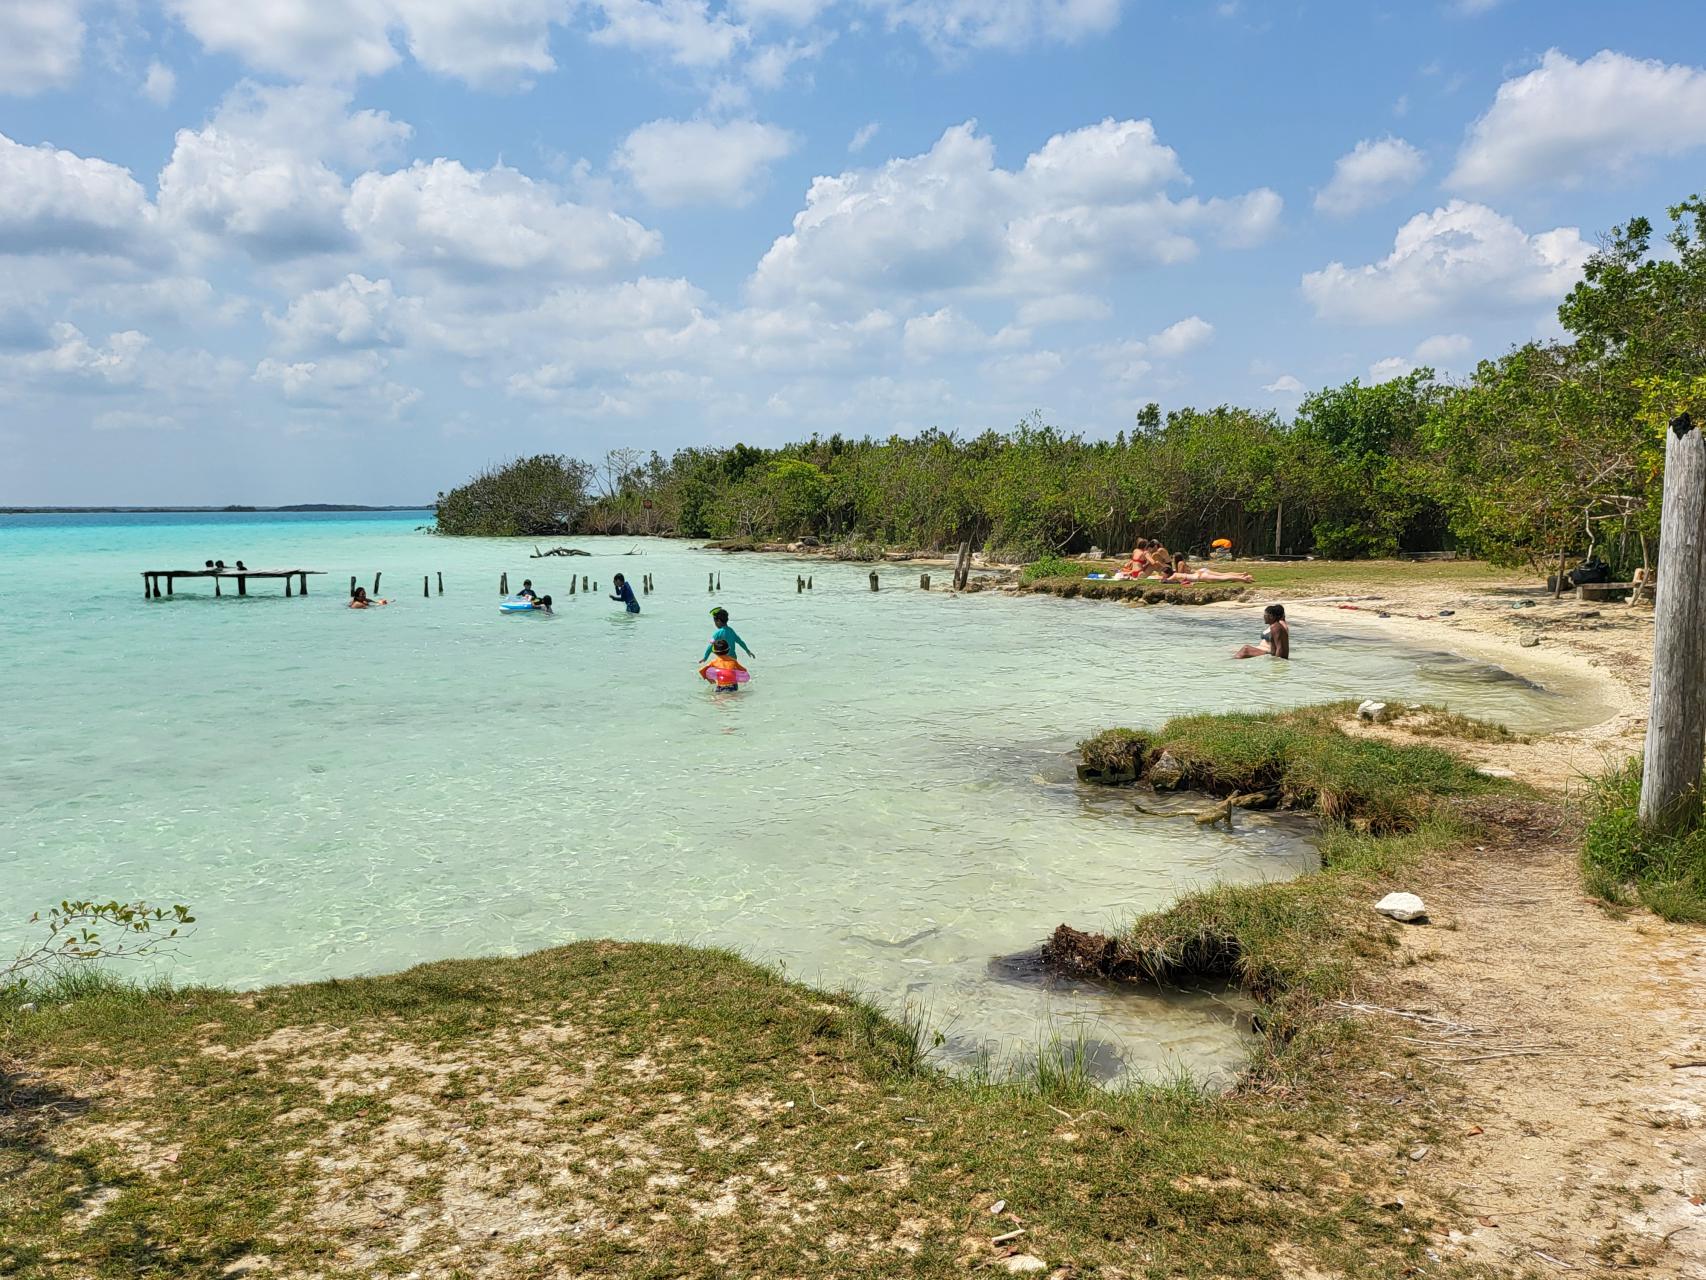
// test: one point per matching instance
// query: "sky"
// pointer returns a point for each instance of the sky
(356, 250)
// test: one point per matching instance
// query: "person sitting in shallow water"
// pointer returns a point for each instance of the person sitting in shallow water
(527, 592)
(1183, 572)
(1276, 637)
(360, 601)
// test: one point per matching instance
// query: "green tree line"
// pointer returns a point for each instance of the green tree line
(1549, 451)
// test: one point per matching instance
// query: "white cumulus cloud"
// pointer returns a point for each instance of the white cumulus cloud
(468, 223)
(1460, 258)
(159, 84)
(952, 222)
(1284, 385)
(1370, 174)
(1182, 337)
(684, 32)
(54, 201)
(41, 44)
(950, 26)
(676, 162)
(1568, 123)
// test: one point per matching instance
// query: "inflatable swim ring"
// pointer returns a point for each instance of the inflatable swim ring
(517, 606)
(726, 677)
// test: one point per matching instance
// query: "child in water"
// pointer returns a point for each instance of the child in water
(527, 592)
(723, 662)
(360, 601)
(624, 593)
(724, 631)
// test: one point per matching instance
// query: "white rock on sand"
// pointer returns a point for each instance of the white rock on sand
(1402, 906)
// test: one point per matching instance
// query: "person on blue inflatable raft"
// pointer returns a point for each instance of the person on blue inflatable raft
(724, 631)
(624, 593)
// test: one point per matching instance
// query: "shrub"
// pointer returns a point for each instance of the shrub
(1623, 862)
(1051, 567)
(525, 498)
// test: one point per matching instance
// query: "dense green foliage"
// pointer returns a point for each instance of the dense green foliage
(1550, 451)
(542, 494)
(1624, 862)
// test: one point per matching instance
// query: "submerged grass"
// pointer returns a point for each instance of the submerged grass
(1623, 863)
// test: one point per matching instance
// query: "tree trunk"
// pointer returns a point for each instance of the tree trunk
(1676, 723)
(1558, 578)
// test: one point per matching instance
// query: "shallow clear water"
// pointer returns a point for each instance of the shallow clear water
(887, 806)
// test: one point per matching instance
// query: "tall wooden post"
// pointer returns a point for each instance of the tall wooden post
(873, 579)
(924, 581)
(169, 581)
(352, 587)
(304, 590)
(503, 584)
(376, 583)
(242, 585)
(426, 586)
(1676, 722)
(710, 583)
(287, 586)
(218, 593)
(441, 582)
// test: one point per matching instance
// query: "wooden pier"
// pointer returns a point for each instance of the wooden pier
(151, 578)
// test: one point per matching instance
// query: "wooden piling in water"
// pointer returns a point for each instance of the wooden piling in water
(503, 584)
(352, 586)
(808, 582)
(584, 587)
(287, 588)
(710, 583)
(169, 581)
(799, 584)
(217, 593)
(441, 582)
(242, 586)
(426, 585)
(924, 581)
(719, 582)
(376, 584)
(571, 584)
(302, 590)
(873, 579)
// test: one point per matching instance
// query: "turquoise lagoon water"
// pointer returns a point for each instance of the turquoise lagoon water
(888, 806)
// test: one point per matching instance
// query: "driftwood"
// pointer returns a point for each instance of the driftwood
(558, 551)
(1221, 812)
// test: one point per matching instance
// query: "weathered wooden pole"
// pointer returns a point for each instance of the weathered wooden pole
(376, 583)
(924, 581)
(304, 587)
(710, 583)
(441, 582)
(242, 585)
(584, 587)
(873, 579)
(352, 586)
(571, 584)
(799, 584)
(426, 586)
(1676, 721)
(217, 593)
(287, 586)
(808, 582)
(719, 582)
(503, 584)
(169, 581)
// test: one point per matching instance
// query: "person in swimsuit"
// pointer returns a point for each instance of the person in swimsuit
(724, 631)
(1276, 636)
(1139, 562)
(724, 661)
(624, 593)
(1182, 572)
(360, 601)
(527, 592)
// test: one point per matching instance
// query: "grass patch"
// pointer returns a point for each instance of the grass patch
(1051, 567)
(637, 1110)
(1301, 759)
(1623, 863)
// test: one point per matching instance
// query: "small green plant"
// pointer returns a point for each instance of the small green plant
(1051, 567)
(1623, 862)
(86, 930)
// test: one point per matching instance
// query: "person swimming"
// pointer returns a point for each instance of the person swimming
(542, 602)
(1276, 636)
(624, 593)
(724, 631)
(360, 601)
(722, 670)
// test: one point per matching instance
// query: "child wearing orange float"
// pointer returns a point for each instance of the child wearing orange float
(723, 670)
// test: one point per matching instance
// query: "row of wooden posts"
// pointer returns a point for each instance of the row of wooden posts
(713, 581)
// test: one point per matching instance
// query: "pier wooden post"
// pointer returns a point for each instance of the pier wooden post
(710, 583)
(217, 593)
(584, 587)
(352, 586)
(242, 585)
(503, 584)
(376, 584)
(571, 584)
(287, 586)
(169, 581)
(1676, 721)
(799, 584)
(426, 586)
(924, 581)
(873, 579)
(719, 582)
(808, 582)
(302, 591)
(441, 582)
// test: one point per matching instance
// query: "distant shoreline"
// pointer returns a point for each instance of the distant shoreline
(204, 511)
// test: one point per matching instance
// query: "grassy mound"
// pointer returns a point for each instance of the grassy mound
(635, 1111)
(1298, 759)
(1622, 863)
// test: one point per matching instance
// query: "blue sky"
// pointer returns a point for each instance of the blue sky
(353, 251)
